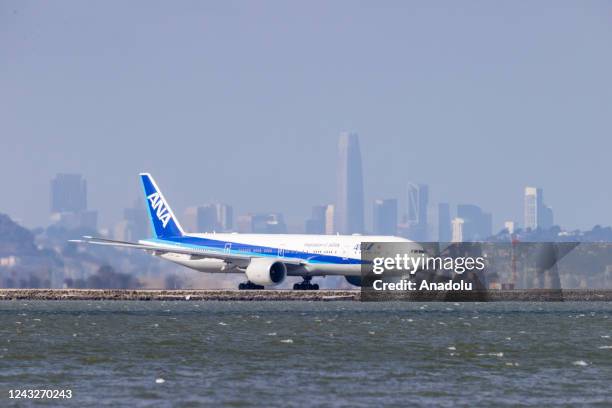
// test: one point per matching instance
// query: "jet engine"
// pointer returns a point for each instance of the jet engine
(264, 271)
(354, 280)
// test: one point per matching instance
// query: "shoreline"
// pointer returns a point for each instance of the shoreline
(293, 295)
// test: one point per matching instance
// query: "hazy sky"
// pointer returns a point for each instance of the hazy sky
(243, 102)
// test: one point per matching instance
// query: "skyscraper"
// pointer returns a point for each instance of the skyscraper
(547, 219)
(68, 193)
(208, 218)
(225, 216)
(418, 199)
(457, 235)
(201, 219)
(316, 223)
(138, 224)
(69, 203)
(329, 219)
(537, 215)
(416, 219)
(349, 203)
(476, 223)
(444, 223)
(273, 223)
(385, 217)
(533, 205)
(134, 225)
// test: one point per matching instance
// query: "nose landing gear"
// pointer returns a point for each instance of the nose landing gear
(248, 285)
(306, 285)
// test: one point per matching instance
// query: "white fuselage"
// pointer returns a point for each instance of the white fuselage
(315, 254)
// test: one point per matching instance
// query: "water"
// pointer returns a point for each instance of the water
(308, 353)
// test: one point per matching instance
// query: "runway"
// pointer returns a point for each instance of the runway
(176, 295)
(285, 295)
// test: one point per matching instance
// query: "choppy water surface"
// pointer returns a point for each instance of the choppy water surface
(309, 353)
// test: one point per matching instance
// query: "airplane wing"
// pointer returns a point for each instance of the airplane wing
(176, 249)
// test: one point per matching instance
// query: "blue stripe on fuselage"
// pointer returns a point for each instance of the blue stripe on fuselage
(237, 248)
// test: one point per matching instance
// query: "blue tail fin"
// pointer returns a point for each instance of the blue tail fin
(163, 222)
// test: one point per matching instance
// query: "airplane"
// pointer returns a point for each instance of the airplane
(265, 259)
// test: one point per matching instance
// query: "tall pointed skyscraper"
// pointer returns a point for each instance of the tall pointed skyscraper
(349, 203)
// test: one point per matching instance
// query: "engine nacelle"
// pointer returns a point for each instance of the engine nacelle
(263, 271)
(354, 280)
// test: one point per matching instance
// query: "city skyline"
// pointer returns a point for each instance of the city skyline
(420, 220)
(243, 103)
(404, 207)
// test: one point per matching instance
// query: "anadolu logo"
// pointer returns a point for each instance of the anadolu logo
(160, 208)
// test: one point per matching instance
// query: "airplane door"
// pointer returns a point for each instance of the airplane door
(228, 247)
(281, 251)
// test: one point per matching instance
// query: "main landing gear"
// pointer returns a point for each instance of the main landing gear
(248, 285)
(306, 285)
